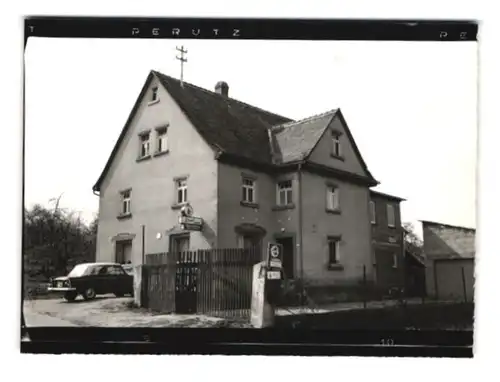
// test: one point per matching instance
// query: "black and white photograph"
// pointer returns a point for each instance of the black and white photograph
(268, 185)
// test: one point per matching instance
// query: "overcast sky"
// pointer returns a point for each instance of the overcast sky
(411, 107)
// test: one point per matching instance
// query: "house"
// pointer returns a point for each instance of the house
(244, 175)
(387, 239)
(449, 255)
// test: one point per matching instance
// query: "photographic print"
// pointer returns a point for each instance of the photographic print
(247, 185)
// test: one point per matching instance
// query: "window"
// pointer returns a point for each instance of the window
(181, 191)
(252, 242)
(333, 250)
(372, 212)
(144, 150)
(332, 198)
(395, 260)
(126, 202)
(248, 189)
(161, 140)
(336, 148)
(285, 193)
(115, 271)
(391, 218)
(154, 94)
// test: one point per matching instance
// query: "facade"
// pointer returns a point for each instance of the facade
(387, 239)
(251, 176)
(449, 255)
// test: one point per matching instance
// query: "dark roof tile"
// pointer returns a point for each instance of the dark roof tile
(295, 140)
(233, 126)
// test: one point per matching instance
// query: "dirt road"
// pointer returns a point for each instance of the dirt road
(109, 311)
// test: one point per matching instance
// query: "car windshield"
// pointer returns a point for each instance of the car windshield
(78, 270)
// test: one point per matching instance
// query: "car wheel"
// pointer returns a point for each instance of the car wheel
(89, 294)
(70, 296)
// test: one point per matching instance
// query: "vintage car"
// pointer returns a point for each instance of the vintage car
(91, 279)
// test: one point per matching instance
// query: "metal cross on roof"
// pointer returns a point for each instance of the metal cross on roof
(182, 59)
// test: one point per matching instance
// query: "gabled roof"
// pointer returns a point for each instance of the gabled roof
(448, 241)
(386, 196)
(232, 126)
(294, 141)
(240, 131)
(428, 223)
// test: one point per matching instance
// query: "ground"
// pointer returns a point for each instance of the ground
(108, 311)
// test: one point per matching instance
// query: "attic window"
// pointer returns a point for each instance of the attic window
(336, 146)
(154, 94)
(144, 147)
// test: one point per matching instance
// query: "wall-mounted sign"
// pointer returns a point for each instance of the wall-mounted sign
(274, 275)
(392, 239)
(187, 210)
(189, 222)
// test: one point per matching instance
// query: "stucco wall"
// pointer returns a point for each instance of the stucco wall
(352, 224)
(152, 183)
(230, 211)
(322, 152)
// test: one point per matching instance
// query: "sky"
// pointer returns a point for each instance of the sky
(411, 107)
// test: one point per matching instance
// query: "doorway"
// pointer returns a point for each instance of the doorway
(288, 256)
(179, 243)
(123, 251)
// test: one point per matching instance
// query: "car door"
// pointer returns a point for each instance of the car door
(101, 280)
(122, 281)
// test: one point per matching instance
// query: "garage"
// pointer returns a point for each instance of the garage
(454, 278)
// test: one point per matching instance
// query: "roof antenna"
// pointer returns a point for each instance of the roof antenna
(182, 60)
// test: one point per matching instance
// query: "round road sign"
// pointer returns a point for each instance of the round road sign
(275, 251)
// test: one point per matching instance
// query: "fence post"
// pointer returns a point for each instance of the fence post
(364, 286)
(436, 290)
(464, 285)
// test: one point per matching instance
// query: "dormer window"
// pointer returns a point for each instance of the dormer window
(154, 94)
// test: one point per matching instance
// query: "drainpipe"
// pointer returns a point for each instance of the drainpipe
(301, 252)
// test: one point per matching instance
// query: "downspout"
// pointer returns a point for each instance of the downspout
(301, 252)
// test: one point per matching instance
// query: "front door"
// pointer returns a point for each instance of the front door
(179, 243)
(123, 251)
(288, 256)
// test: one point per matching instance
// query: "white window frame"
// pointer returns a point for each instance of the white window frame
(336, 241)
(126, 197)
(332, 198)
(181, 188)
(161, 140)
(287, 191)
(373, 212)
(145, 145)
(246, 188)
(336, 144)
(391, 213)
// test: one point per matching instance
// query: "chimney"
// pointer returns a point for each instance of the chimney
(222, 88)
